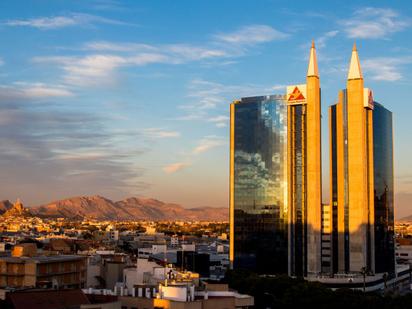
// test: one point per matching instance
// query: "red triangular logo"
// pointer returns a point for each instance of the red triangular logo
(296, 95)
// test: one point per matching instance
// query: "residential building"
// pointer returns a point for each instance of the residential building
(25, 268)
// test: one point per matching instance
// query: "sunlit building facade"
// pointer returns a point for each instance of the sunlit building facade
(304, 173)
(361, 175)
(259, 215)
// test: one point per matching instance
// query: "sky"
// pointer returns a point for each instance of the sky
(131, 98)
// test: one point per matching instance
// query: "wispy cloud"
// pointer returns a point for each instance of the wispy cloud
(118, 47)
(97, 69)
(55, 22)
(220, 121)
(207, 143)
(321, 41)
(20, 90)
(1, 61)
(102, 69)
(160, 133)
(108, 5)
(252, 34)
(374, 23)
(385, 68)
(68, 152)
(175, 167)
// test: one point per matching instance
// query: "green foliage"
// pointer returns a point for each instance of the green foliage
(284, 292)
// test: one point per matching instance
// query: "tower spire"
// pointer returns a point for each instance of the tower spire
(313, 63)
(355, 71)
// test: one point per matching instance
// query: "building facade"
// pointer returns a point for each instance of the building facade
(59, 271)
(275, 180)
(361, 158)
(258, 184)
(304, 173)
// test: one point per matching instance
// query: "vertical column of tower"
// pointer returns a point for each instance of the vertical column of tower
(232, 186)
(313, 165)
(357, 166)
(290, 185)
(371, 189)
(341, 182)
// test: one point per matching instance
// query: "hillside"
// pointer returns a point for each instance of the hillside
(134, 208)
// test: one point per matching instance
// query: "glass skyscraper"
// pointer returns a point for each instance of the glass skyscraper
(259, 184)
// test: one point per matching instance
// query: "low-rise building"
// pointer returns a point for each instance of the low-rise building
(25, 268)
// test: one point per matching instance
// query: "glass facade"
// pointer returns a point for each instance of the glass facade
(260, 185)
(334, 192)
(383, 182)
(298, 229)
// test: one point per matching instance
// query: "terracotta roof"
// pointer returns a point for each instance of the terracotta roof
(50, 299)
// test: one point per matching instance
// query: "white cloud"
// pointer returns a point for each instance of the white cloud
(81, 156)
(1, 61)
(374, 23)
(173, 168)
(207, 143)
(220, 121)
(118, 46)
(94, 70)
(250, 35)
(56, 22)
(278, 87)
(160, 133)
(321, 41)
(21, 90)
(385, 68)
(102, 69)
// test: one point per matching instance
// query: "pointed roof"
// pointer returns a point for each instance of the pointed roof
(355, 71)
(313, 63)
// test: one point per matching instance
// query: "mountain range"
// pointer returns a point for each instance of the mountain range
(134, 208)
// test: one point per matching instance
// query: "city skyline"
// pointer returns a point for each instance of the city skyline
(121, 99)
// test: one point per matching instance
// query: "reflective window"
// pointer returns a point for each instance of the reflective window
(383, 172)
(260, 185)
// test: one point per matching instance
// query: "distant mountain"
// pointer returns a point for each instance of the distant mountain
(408, 218)
(134, 208)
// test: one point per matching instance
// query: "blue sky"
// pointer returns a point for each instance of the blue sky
(123, 98)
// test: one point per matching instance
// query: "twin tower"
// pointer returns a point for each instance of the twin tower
(278, 223)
